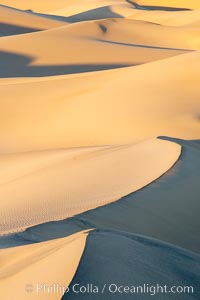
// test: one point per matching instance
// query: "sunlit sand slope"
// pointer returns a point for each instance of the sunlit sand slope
(79, 6)
(86, 87)
(16, 22)
(104, 45)
(93, 10)
(103, 107)
(64, 183)
(161, 210)
(61, 7)
(24, 269)
(190, 4)
(189, 18)
(99, 130)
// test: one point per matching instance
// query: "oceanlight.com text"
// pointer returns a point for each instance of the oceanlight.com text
(111, 288)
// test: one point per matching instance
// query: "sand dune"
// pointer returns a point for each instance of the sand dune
(169, 105)
(16, 22)
(57, 261)
(36, 5)
(89, 10)
(171, 213)
(77, 182)
(94, 10)
(140, 254)
(190, 4)
(165, 207)
(52, 262)
(86, 87)
(59, 52)
(61, 7)
(125, 32)
(178, 18)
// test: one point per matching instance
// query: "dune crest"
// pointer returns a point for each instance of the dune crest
(17, 22)
(50, 263)
(99, 131)
(69, 184)
(113, 106)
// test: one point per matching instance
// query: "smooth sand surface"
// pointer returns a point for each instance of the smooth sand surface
(139, 261)
(24, 270)
(36, 5)
(59, 5)
(58, 51)
(161, 210)
(86, 87)
(79, 181)
(179, 18)
(103, 108)
(62, 7)
(190, 4)
(13, 21)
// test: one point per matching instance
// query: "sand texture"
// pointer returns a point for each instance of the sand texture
(99, 146)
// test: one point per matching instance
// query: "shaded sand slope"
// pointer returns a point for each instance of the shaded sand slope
(49, 262)
(59, 49)
(93, 10)
(13, 22)
(167, 209)
(87, 110)
(132, 260)
(79, 150)
(62, 184)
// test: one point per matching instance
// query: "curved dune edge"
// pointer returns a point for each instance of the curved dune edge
(12, 16)
(165, 208)
(62, 185)
(134, 260)
(87, 111)
(16, 22)
(59, 47)
(51, 262)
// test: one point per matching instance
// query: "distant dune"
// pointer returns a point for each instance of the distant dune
(13, 22)
(52, 6)
(187, 18)
(115, 37)
(84, 110)
(60, 7)
(99, 131)
(190, 4)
